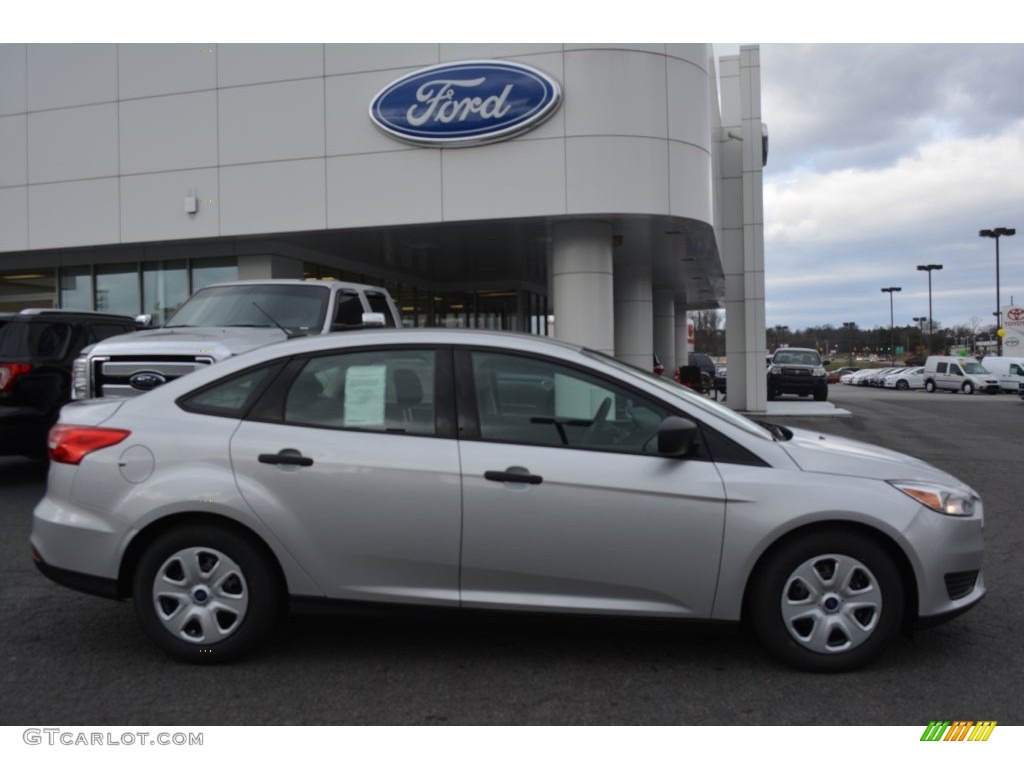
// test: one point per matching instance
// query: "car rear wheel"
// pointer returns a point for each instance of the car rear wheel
(205, 594)
(827, 601)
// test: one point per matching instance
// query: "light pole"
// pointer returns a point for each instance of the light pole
(850, 327)
(995, 234)
(892, 329)
(920, 329)
(931, 328)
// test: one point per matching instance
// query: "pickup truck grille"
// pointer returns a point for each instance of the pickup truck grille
(128, 377)
(796, 371)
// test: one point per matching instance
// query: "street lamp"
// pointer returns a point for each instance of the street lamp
(892, 330)
(929, 268)
(850, 327)
(995, 234)
(920, 329)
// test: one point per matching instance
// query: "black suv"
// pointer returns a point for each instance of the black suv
(37, 349)
(796, 371)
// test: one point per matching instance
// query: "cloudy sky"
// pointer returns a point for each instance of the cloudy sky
(883, 157)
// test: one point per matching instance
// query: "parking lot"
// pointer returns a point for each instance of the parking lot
(74, 659)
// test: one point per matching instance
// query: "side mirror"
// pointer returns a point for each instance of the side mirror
(373, 320)
(676, 436)
(144, 321)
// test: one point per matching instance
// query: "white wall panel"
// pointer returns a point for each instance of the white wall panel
(658, 48)
(349, 130)
(279, 121)
(68, 75)
(615, 93)
(462, 51)
(14, 219)
(384, 188)
(512, 179)
(146, 69)
(621, 175)
(13, 95)
(689, 109)
(153, 205)
(67, 144)
(692, 182)
(169, 133)
(351, 58)
(73, 214)
(273, 197)
(246, 63)
(13, 150)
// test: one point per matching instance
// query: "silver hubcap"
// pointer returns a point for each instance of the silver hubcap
(831, 604)
(200, 595)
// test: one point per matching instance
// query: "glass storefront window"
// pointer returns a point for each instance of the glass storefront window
(117, 289)
(76, 288)
(209, 271)
(164, 288)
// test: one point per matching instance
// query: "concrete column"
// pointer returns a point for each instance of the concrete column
(634, 312)
(581, 284)
(665, 328)
(261, 266)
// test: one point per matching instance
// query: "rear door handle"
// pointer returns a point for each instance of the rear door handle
(513, 477)
(288, 456)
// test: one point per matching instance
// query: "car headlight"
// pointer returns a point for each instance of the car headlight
(940, 498)
(80, 378)
(819, 371)
(775, 370)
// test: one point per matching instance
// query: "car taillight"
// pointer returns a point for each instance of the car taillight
(69, 444)
(9, 373)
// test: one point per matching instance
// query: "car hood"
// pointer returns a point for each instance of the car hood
(817, 452)
(219, 343)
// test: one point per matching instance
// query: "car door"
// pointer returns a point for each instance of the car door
(598, 522)
(351, 460)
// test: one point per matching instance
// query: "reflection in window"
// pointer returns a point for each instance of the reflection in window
(164, 288)
(117, 289)
(525, 400)
(76, 288)
(209, 271)
(381, 391)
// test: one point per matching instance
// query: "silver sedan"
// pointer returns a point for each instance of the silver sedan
(499, 471)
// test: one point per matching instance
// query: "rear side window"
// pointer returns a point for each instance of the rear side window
(941, 367)
(45, 340)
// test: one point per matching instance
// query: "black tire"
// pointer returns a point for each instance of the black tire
(792, 599)
(968, 388)
(929, 386)
(219, 595)
(821, 394)
(902, 385)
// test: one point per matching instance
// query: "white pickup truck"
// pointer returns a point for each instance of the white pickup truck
(223, 320)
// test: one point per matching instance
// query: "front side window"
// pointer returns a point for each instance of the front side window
(379, 303)
(539, 402)
(380, 391)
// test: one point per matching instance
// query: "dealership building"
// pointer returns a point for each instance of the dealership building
(594, 193)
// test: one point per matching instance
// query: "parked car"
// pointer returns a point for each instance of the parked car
(477, 470)
(958, 374)
(797, 371)
(907, 378)
(721, 379)
(1008, 370)
(223, 320)
(860, 378)
(37, 348)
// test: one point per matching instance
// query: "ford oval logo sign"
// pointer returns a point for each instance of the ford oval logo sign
(465, 103)
(147, 380)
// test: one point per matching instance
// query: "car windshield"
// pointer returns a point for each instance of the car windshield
(296, 307)
(692, 399)
(975, 368)
(796, 357)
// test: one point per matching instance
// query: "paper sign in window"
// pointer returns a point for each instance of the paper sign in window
(364, 395)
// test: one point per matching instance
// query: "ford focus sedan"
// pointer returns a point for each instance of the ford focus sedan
(476, 470)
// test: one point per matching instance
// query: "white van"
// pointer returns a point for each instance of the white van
(1008, 370)
(958, 374)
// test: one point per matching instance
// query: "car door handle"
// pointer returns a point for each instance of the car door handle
(513, 477)
(287, 456)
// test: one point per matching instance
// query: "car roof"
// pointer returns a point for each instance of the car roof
(40, 312)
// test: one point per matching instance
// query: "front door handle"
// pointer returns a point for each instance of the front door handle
(289, 456)
(513, 475)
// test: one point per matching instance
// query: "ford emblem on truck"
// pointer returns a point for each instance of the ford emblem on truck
(465, 103)
(147, 380)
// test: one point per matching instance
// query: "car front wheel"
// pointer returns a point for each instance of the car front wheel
(968, 388)
(205, 594)
(929, 386)
(827, 601)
